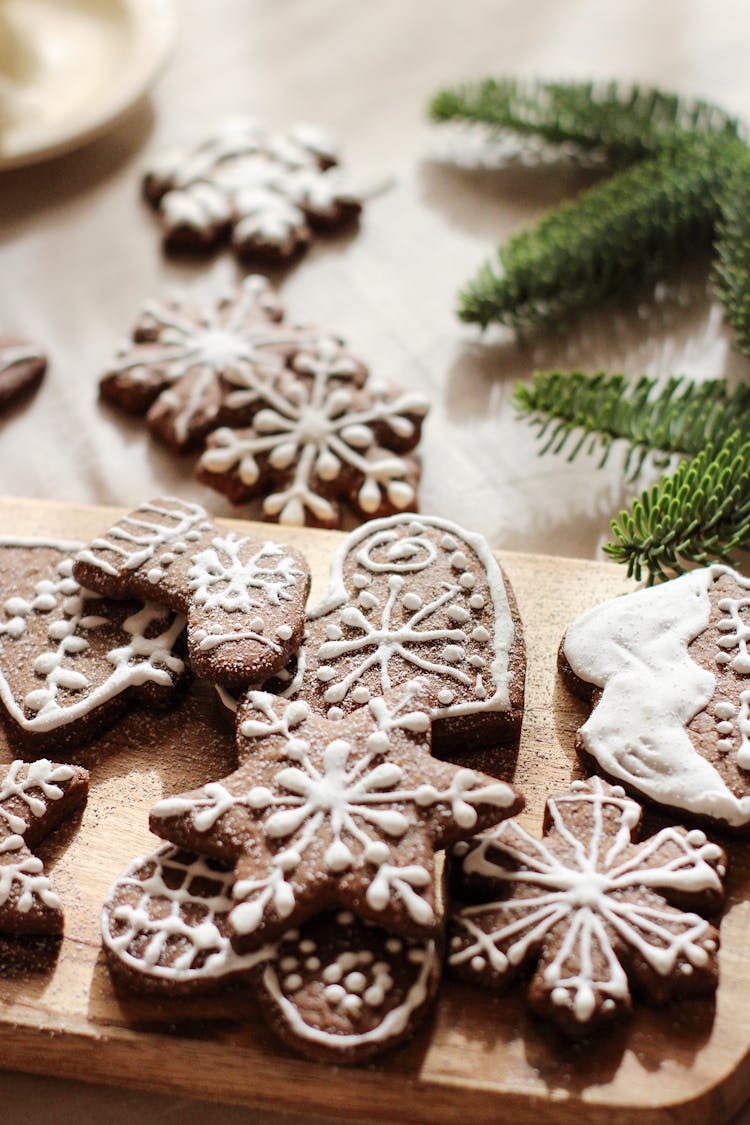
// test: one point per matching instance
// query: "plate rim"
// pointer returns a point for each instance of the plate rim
(152, 23)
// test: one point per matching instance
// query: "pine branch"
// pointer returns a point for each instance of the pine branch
(731, 274)
(698, 515)
(620, 232)
(623, 123)
(572, 410)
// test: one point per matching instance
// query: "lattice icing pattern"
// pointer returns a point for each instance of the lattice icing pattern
(417, 596)
(268, 191)
(670, 671)
(164, 922)
(67, 654)
(244, 597)
(322, 436)
(321, 814)
(33, 799)
(589, 908)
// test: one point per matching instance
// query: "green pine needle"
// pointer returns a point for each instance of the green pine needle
(732, 268)
(622, 123)
(698, 515)
(573, 410)
(617, 233)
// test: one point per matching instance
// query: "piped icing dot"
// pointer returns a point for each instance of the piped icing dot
(307, 946)
(334, 994)
(334, 714)
(476, 601)
(355, 982)
(283, 632)
(478, 963)
(724, 709)
(293, 983)
(459, 560)
(361, 580)
(467, 580)
(445, 696)
(448, 543)
(412, 601)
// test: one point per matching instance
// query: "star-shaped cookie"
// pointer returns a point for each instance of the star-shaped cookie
(244, 597)
(34, 798)
(322, 814)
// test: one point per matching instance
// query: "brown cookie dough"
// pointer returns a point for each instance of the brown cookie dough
(668, 673)
(34, 799)
(22, 368)
(267, 191)
(589, 910)
(417, 596)
(71, 660)
(325, 814)
(244, 598)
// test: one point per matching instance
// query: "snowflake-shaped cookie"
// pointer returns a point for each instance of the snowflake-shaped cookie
(418, 596)
(319, 437)
(668, 672)
(69, 659)
(323, 814)
(266, 190)
(244, 597)
(172, 369)
(34, 798)
(590, 908)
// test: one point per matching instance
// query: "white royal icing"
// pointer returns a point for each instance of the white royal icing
(636, 649)
(347, 990)
(265, 184)
(24, 877)
(140, 658)
(207, 952)
(314, 428)
(449, 614)
(353, 793)
(582, 892)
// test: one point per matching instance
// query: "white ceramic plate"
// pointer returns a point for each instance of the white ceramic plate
(69, 69)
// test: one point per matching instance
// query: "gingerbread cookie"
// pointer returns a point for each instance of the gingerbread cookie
(22, 368)
(322, 814)
(164, 924)
(419, 596)
(321, 436)
(71, 660)
(181, 349)
(267, 191)
(341, 990)
(668, 673)
(34, 799)
(590, 909)
(244, 597)
(336, 989)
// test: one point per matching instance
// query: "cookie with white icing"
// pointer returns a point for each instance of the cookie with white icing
(419, 596)
(34, 799)
(22, 367)
(165, 924)
(325, 814)
(341, 990)
(185, 355)
(321, 436)
(590, 911)
(244, 597)
(266, 191)
(72, 660)
(668, 673)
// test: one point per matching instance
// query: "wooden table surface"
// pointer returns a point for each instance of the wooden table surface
(80, 252)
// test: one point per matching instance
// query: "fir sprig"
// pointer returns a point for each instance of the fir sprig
(698, 515)
(629, 228)
(574, 410)
(732, 267)
(623, 124)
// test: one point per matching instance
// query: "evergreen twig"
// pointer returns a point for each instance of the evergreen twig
(698, 515)
(617, 233)
(573, 410)
(731, 274)
(623, 123)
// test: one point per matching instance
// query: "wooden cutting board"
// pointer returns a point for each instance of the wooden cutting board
(480, 1059)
